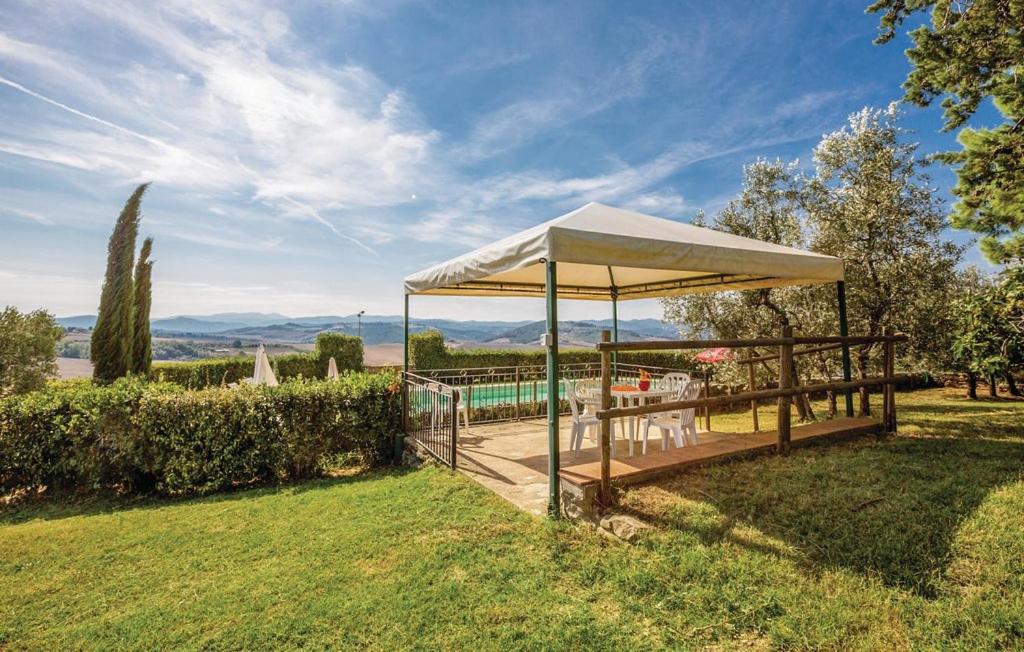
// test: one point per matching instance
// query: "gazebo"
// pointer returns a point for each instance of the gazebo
(603, 253)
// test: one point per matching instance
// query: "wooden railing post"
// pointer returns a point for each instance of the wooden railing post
(751, 385)
(606, 424)
(785, 382)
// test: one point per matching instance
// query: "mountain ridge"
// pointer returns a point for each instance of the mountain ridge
(383, 329)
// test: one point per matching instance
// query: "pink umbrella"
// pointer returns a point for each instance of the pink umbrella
(714, 356)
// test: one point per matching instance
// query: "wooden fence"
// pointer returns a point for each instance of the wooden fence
(787, 386)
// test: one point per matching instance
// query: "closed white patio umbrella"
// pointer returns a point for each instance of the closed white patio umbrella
(263, 374)
(332, 369)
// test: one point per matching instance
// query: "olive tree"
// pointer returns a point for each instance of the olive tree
(770, 208)
(28, 350)
(871, 204)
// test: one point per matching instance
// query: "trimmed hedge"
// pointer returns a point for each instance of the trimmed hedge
(347, 351)
(144, 436)
(427, 351)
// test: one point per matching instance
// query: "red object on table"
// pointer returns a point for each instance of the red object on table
(644, 385)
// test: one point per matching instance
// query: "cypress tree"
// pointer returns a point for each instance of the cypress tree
(142, 348)
(111, 348)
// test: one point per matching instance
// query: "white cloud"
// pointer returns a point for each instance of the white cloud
(229, 102)
(28, 215)
(457, 226)
(806, 103)
(572, 100)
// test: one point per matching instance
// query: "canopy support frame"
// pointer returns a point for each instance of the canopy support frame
(551, 296)
(540, 289)
(614, 292)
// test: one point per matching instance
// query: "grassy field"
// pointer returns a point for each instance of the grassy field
(915, 541)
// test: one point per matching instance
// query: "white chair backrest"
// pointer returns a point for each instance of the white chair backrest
(674, 380)
(586, 386)
(571, 396)
(688, 392)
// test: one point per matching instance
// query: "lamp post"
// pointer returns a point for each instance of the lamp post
(359, 321)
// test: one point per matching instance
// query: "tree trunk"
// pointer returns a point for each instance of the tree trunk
(1011, 384)
(862, 370)
(827, 375)
(992, 386)
(801, 404)
(806, 399)
(972, 385)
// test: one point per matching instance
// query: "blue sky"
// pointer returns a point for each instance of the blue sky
(305, 157)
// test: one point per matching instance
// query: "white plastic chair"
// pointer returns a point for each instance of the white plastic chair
(678, 423)
(460, 407)
(673, 380)
(583, 419)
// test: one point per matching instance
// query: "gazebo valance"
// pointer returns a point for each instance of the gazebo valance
(605, 253)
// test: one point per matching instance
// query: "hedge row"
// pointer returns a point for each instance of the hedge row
(143, 436)
(346, 350)
(428, 351)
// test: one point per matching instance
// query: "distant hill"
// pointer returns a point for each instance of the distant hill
(193, 325)
(570, 332)
(381, 329)
(77, 321)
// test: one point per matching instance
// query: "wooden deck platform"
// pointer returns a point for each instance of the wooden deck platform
(716, 448)
(511, 458)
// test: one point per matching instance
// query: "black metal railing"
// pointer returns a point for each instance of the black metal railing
(493, 394)
(431, 417)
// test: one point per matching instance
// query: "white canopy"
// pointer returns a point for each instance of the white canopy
(604, 252)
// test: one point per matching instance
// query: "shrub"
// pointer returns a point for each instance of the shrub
(139, 436)
(73, 434)
(427, 351)
(197, 374)
(347, 350)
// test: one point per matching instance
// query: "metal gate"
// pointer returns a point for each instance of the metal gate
(431, 417)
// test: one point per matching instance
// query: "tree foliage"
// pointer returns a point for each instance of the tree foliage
(869, 203)
(770, 208)
(971, 51)
(28, 350)
(142, 347)
(990, 335)
(112, 335)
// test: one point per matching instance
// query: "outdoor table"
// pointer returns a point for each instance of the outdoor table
(627, 395)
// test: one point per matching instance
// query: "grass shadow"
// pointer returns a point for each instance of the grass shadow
(56, 505)
(886, 508)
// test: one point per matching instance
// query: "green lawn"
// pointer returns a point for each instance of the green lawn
(914, 541)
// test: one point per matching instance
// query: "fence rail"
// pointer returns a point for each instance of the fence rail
(787, 388)
(493, 394)
(431, 417)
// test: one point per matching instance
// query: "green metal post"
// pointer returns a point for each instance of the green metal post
(405, 338)
(844, 330)
(615, 333)
(551, 292)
